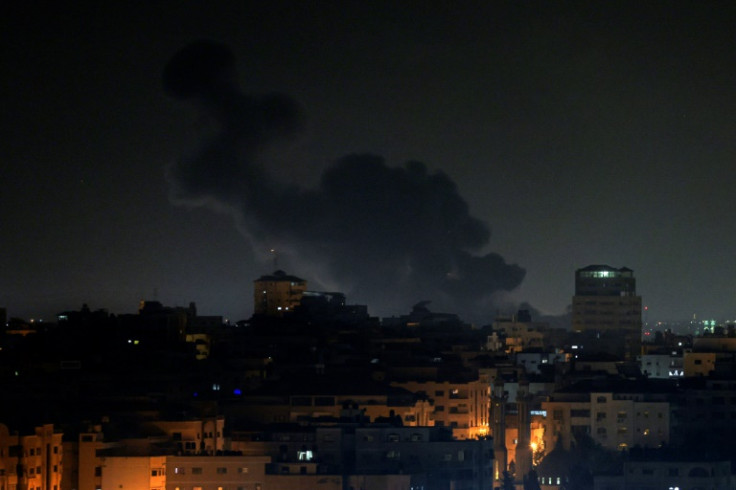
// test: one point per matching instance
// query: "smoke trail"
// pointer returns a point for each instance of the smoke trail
(391, 235)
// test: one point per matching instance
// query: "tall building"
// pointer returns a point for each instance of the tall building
(497, 415)
(277, 293)
(523, 444)
(606, 304)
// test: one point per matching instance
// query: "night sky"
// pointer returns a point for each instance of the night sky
(473, 155)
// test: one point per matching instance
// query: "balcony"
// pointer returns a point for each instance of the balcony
(458, 395)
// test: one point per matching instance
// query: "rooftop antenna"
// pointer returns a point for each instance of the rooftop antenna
(275, 259)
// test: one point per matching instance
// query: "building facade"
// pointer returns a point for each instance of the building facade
(606, 303)
(615, 419)
(277, 293)
(31, 460)
(669, 474)
(461, 405)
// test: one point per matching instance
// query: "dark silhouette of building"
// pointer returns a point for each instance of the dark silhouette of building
(278, 293)
(498, 419)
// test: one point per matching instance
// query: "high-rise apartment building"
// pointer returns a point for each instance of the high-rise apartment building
(606, 303)
(277, 293)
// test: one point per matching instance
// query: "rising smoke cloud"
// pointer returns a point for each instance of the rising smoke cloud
(392, 236)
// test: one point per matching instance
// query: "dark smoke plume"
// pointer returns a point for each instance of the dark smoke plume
(389, 236)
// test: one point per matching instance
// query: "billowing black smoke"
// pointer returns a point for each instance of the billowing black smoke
(389, 236)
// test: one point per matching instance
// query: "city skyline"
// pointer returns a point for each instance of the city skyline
(592, 134)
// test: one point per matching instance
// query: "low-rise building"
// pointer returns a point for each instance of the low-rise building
(371, 455)
(532, 360)
(663, 365)
(461, 405)
(213, 472)
(617, 415)
(329, 397)
(705, 405)
(31, 460)
(670, 474)
(203, 436)
(144, 472)
(520, 332)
